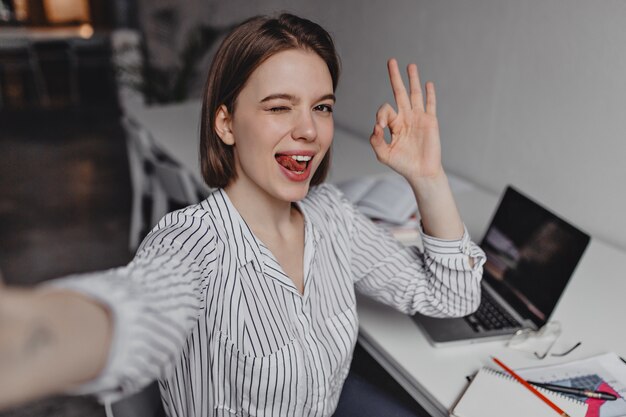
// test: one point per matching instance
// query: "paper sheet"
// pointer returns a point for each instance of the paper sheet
(493, 394)
(604, 372)
(387, 197)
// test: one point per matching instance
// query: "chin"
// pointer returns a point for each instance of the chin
(294, 192)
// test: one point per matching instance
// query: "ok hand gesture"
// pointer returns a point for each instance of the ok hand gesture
(414, 150)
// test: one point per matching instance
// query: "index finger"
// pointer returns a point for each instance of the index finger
(397, 85)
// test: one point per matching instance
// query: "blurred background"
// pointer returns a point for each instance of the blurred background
(530, 93)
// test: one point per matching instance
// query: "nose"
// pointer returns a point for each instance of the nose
(304, 127)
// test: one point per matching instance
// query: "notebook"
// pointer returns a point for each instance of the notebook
(494, 394)
(531, 255)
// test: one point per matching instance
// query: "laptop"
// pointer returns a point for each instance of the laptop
(531, 255)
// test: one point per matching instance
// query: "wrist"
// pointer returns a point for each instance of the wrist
(426, 188)
(438, 211)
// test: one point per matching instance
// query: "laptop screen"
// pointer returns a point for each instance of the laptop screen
(531, 255)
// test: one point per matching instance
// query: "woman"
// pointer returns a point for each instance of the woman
(244, 304)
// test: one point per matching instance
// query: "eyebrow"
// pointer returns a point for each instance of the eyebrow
(294, 99)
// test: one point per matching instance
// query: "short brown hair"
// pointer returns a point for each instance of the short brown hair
(246, 47)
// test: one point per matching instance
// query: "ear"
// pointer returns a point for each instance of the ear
(223, 125)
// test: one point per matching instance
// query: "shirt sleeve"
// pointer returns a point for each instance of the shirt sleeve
(154, 301)
(438, 281)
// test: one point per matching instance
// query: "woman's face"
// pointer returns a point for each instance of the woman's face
(282, 125)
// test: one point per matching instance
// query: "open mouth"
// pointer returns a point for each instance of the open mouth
(297, 164)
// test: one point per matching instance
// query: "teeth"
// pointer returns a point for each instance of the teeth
(301, 158)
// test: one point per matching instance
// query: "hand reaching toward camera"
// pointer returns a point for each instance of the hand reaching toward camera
(23, 336)
(50, 341)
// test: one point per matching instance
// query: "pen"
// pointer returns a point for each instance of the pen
(531, 388)
(601, 395)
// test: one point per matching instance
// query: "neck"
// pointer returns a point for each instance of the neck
(262, 212)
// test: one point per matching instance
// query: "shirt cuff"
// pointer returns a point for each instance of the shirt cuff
(452, 248)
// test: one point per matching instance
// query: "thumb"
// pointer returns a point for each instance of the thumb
(377, 140)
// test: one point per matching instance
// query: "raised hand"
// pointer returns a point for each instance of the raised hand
(414, 150)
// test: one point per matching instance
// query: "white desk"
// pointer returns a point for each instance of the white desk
(590, 311)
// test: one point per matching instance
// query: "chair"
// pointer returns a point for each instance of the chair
(148, 200)
(127, 58)
(159, 183)
(178, 184)
(145, 403)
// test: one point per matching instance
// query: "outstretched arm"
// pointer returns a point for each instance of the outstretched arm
(109, 333)
(49, 342)
(414, 151)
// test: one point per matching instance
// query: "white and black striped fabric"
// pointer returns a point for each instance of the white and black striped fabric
(206, 309)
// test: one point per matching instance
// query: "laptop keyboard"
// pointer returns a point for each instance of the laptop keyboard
(490, 316)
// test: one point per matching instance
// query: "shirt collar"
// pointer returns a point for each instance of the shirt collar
(241, 239)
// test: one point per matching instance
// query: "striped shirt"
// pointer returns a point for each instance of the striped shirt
(205, 308)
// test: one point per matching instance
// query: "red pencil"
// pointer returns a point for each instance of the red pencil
(530, 387)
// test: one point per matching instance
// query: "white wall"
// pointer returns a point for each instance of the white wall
(530, 92)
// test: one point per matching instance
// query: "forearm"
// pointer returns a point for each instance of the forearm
(438, 211)
(50, 341)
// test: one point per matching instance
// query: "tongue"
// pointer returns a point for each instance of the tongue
(290, 163)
